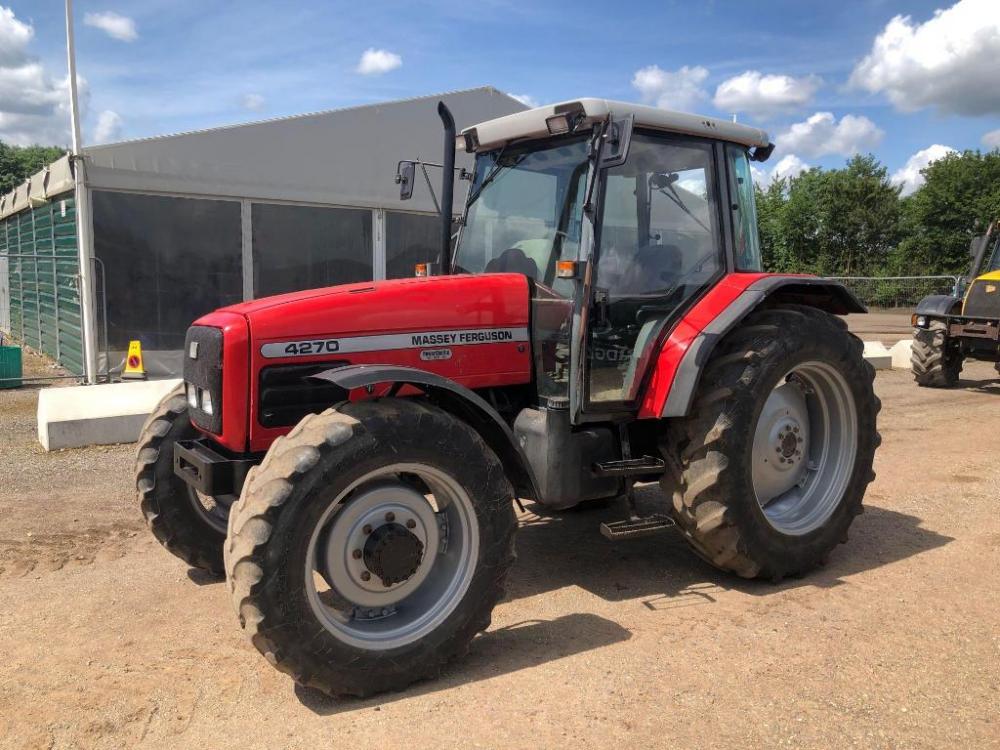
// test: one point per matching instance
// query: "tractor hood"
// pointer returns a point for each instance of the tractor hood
(384, 307)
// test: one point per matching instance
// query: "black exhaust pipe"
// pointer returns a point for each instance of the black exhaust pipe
(447, 185)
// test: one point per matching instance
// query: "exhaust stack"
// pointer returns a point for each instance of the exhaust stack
(447, 185)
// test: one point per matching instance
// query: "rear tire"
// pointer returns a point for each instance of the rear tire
(933, 364)
(170, 506)
(723, 497)
(294, 554)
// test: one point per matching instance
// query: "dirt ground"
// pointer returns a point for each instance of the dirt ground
(107, 641)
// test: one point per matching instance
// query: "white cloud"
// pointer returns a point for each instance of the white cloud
(34, 107)
(525, 99)
(14, 37)
(992, 139)
(375, 62)
(948, 62)
(762, 95)
(822, 134)
(113, 24)
(253, 102)
(788, 166)
(109, 127)
(671, 89)
(909, 177)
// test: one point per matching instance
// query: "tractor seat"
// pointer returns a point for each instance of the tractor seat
(513, 260)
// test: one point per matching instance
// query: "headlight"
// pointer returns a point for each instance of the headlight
(192, 396)
(206, 401)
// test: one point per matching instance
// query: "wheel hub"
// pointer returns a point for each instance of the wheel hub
(392, 553)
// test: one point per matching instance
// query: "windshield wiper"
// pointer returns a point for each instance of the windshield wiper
(672, 195)
(498, 166)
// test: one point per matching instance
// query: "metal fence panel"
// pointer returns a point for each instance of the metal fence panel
(42, 280)
(898, 292)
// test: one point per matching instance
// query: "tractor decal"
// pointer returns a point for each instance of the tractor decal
(417, 340)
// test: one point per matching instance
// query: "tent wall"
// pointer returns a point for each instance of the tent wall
(42, 274)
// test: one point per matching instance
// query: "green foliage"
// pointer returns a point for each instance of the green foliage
(17, 163)
(853, 222)
(960, 197)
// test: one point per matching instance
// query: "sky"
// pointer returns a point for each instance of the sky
(905, 81)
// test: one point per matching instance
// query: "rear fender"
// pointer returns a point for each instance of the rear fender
(455, 399)
(687, 354)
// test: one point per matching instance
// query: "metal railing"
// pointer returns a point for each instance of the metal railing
(899, 292)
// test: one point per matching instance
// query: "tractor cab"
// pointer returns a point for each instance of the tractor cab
(621, 216)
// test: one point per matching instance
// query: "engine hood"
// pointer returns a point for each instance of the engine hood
(382, 307)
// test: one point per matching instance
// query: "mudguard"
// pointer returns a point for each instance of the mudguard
(939, 304)
(456, 400)
(687, 349)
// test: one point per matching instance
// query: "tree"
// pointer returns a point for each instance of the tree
(17, 163)
(959, 198)
(838, 222)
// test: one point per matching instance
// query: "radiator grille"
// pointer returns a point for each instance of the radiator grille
(203, 372)
(288, 393)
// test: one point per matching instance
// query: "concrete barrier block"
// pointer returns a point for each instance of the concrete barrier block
(877, 355)
(97, 414)
(900, 353)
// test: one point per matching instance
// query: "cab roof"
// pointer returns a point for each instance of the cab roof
(531, 123)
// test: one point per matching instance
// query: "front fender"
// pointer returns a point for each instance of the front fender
(939, 305)
(458, 401)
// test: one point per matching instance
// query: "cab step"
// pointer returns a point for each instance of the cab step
(630, 467)
(633, 528)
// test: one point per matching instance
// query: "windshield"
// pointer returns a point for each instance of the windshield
(525, 208)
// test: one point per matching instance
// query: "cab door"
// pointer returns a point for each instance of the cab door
(658, 244)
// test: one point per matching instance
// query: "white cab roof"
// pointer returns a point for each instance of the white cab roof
(531, 123)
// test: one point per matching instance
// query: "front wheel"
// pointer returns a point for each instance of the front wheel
(933, 362)
(777, 453)
(370, 546)
(188, 524)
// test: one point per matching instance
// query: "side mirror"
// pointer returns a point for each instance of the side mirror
(404, 177)
(617, 139)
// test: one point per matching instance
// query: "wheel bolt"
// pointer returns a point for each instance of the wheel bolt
(390, 517)
(356, 554)
(777, 449)
(367, 528)
(795, 429)
(411, 524)
(365, 575)
(387, 584)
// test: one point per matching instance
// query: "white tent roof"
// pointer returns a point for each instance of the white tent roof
(340, 157)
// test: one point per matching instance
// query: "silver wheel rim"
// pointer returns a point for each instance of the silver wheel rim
(363, 611)
(210, 510)
(804, 448)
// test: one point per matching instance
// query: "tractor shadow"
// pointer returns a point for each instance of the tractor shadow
(555, 551)
(501, 651)
(567, 549)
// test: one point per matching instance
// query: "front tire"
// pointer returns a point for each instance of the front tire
(370, 546)
(777, 453)
(934, 365)
(190, 526)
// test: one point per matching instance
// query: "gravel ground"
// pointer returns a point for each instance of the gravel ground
(110, 642)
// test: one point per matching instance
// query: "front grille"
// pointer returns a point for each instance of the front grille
(983, 300)
(203, 373)
(288, 393)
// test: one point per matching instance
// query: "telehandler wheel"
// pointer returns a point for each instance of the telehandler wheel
(370, 546)
(777, 452)
(932, 364)
(190, 525)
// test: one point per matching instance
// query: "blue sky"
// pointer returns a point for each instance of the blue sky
(896, 78)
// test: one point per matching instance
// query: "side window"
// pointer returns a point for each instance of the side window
(743, 209)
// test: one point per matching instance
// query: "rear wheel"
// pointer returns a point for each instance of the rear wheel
(777, 453)
(190, 525)
(370, 546)
(934, 364)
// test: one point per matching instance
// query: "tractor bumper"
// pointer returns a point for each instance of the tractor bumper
(209, 469)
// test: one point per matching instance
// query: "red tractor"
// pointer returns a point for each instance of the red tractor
(349, 457)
